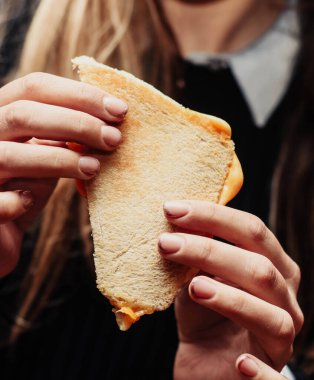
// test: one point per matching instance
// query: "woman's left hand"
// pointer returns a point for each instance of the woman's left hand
(243, 301)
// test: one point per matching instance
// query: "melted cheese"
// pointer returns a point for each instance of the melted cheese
(233, 182)
(126, 316)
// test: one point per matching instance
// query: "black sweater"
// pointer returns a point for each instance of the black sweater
(77, 337)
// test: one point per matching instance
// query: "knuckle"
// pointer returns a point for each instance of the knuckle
(84, 93)
(15, 115)
(205, 253)
(32, 82)
(210, 210)
(4, 157)
(57, 161)
(238, 306)
(264, 274)
(84, 122)
(81, 123)
(12, 116)
(257, 229)
(286, 331)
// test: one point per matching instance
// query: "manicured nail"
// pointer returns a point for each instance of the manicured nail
(247, 366)
(176, 209)
(116, 107)
(27, 198)
(170, 243)
(111, 136)
(89, 165)
(202, 288)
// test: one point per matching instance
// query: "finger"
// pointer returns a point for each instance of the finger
(40, 188)
(272, 326)
(39, 161)
(14, 204)
(253, 368)
(31, 119)
(60, 144)
(51, 89)
(252, 272)
(239, 227)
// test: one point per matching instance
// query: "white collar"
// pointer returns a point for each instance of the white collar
(264, 69)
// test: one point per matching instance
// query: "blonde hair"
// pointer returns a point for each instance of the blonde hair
(117, 32)
(91, 27)
(124, 34)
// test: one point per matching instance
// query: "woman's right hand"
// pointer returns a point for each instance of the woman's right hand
(39, 113)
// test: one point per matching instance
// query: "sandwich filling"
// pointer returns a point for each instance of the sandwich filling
(126, 316)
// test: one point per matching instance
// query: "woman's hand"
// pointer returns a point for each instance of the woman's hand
(255, 369)
(39, 113)
(244, 299)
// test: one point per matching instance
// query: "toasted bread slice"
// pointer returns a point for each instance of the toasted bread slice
(168, 152)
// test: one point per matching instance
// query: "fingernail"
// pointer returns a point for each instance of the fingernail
(111, 136)
(27, 198)
(201, 288)
(176, 209)
(115, 107)
(247, 366)
(89, 165)
(170, 243)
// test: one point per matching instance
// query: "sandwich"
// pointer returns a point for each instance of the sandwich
(168, 153)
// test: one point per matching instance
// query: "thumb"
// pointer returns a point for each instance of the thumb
(14, 204)
(253, 368)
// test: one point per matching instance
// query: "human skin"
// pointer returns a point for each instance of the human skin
(244, 299)
(255, 369)
(219, 26)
